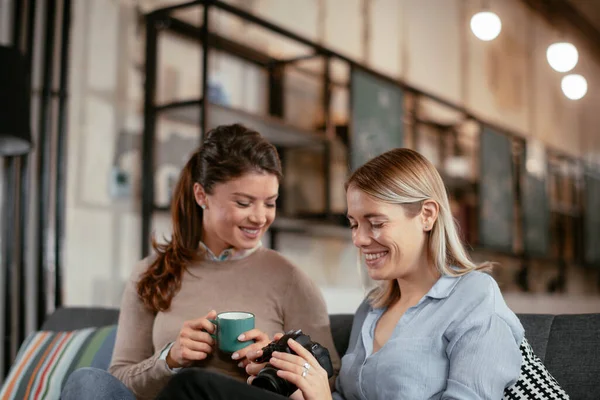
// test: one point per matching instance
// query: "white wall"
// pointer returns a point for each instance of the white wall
(425, 42)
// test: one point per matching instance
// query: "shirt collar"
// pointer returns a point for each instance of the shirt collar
(443, 287)
(228, 254)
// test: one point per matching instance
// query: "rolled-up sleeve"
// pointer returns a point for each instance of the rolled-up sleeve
(484, 359)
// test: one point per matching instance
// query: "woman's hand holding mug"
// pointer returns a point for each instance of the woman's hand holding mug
(194, 342)
(227, 331)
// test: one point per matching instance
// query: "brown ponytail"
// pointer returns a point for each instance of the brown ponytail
(228, 152)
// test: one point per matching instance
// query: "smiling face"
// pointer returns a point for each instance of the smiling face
(392, 238)
(238, 212)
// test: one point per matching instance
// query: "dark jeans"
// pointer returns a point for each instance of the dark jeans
(198, 384)
(94, 384)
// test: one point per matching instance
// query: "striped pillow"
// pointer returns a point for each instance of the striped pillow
(46, 359)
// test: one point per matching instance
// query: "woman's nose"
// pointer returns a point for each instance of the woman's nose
(360, 237)
(258, 217)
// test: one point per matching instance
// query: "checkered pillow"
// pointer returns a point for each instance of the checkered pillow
(535, 382)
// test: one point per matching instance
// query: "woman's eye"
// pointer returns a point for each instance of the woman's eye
(270, 205)
(353, 226)
(241, 204)
(377, 226)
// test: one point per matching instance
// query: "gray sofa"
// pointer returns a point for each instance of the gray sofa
(569, 345)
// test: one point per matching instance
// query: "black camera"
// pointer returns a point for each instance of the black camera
(267, 377)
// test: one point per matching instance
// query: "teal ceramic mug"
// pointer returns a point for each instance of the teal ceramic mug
(230, 325)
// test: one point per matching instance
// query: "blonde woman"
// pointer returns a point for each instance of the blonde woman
(437, 326)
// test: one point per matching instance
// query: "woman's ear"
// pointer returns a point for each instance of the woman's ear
(200, 195)
(429, 214)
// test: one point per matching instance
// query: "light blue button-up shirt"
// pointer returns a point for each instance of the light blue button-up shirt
(460, 341)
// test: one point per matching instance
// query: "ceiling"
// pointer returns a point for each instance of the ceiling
(579, 17)
(589, 9)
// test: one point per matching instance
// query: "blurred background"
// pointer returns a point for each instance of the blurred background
(501, 95)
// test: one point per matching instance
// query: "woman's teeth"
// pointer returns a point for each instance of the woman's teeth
(375, 256)
(250, 231)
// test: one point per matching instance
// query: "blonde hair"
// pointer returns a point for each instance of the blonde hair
(403, 176)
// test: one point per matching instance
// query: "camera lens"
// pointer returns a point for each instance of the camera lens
(267, 379)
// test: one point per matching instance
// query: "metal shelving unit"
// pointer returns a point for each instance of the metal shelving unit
(273, 125)
(274, 129)
(204, 114)
(175, 20)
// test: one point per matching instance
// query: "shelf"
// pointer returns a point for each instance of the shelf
(276, 131)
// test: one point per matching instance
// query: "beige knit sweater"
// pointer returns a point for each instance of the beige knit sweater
(279, 294)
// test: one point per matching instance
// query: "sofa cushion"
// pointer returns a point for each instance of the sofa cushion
(573, 354)
(46, 359)
(341, 325)
(537, 329)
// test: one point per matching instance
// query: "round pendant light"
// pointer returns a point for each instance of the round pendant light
(562, 56)
(574, 86)
(486, 25)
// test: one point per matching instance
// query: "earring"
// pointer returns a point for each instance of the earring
(203, 206)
